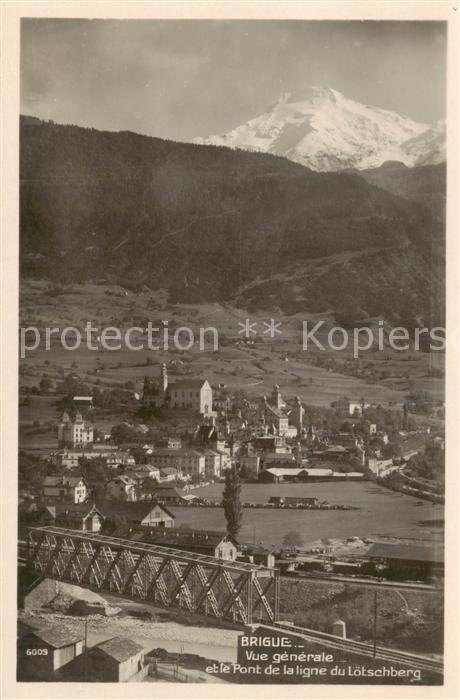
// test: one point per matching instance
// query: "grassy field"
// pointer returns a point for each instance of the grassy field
(254, 368)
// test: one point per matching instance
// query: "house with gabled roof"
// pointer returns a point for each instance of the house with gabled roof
(279, 474)
(44, 653)
(83, 401)
(116, 660)
(138, 513)
(221, 545)
(121, 488)
(169, 495)
(64, 488)
(407, 560)
(73, 516)
(195, 394)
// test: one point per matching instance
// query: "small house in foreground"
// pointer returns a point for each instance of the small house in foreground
(117, 660)
(43, 654)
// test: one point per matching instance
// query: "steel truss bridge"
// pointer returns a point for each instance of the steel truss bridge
(226, 590)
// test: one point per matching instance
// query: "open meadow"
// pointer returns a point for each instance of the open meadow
(317, 376)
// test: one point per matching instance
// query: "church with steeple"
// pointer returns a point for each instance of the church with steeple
(192, 394)
(278, 418)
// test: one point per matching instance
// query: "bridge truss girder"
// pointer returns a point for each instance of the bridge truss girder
(225, 590)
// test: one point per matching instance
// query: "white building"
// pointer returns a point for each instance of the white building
(250, 462)
(147, 471)
(275, 418)
(195, 394)
(192, 394)
(216, 462)
(187, 461)
(74, 433)
(139, 513)
(356, 408)
(121, 488)
(353, 407)
(83, 401)
(69, 459)
(64, 488)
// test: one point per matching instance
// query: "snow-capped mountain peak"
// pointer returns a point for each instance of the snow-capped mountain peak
(324, 130)
(428, 148)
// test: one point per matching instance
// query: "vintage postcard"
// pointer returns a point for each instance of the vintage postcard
(230, 397)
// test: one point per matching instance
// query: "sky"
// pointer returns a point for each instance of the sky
(178, 79)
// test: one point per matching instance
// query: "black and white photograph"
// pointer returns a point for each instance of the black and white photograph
(232, 352)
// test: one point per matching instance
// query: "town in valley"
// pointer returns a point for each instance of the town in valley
(146, 459)
(195, 468)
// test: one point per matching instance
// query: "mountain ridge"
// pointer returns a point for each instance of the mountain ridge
(425, 184)
(322, 129)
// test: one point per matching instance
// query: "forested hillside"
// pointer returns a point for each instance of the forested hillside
(205, 222)
(425, 183)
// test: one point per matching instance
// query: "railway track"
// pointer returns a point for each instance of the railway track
(346, 645)
(349, 645)
(356, 581)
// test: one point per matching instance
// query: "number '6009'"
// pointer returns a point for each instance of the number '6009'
(37, 652)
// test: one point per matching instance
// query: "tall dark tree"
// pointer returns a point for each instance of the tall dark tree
(293, 538)
(231, 501)
(405, 416)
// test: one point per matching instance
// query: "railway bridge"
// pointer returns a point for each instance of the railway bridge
(226, 590)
